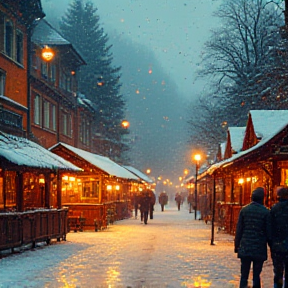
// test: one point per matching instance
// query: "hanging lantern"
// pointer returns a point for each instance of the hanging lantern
(47, 53)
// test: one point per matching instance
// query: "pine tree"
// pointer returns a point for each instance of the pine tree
(99, 80)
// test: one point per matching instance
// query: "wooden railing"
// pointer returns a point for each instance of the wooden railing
(89, 216)
(22, 228)
(226, 216)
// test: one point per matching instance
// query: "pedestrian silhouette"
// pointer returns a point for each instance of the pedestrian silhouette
(191, 202)
(178, 200)
(279, 247)
(152, 202)
(145, 203)
(136, 199)
(253, 232)
(163, 200)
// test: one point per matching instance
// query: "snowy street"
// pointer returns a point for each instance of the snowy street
(173, 250)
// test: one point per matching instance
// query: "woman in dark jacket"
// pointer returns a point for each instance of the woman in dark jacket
(252, 235)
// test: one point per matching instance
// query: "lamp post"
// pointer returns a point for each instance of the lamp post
(125, 124)
(197, 159)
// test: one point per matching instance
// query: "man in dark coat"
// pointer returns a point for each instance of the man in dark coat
(152, 202)
(253, 232)
(145, 205)
(279, 247)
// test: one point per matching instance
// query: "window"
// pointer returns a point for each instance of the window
(68, 83)
(65, 116)
(10, 188)
(85, 131)
(66, 124)
(52, 73)
(90, 189)
(37, 110)
(9, 38)
(46, 114)
(2, 29)
(65, 81)
(19, 47)
(53, 117)
(2, 82)
(44, 70)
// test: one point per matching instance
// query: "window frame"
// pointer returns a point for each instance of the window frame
(46, 114)
(19, 47)
(8, 37)
(2, 81)
(37, 112)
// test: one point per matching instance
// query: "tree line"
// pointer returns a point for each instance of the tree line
(245, 66)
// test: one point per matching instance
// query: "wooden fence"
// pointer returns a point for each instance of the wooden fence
(22, 228)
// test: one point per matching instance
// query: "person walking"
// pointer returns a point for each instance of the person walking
(152, 203)
(279, 247)
(145, 206)
(178, 200)
(163, 200)
(136, 198)
(191, 202)
(253, 233)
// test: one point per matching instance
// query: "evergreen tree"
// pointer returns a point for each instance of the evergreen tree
(99, 80)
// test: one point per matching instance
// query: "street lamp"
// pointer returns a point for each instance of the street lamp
(47, 54)
(125, 124)
(197, 159)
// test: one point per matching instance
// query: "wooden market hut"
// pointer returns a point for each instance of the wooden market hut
(30, 199)
(262, 161)
(98, 195)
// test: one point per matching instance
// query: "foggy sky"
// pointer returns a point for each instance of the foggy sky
(175, 32)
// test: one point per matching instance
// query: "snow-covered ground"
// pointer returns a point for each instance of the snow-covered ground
(173, 250)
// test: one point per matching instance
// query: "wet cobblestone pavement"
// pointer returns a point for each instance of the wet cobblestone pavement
(172, 251)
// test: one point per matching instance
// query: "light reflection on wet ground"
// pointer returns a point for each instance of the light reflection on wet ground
(172, 251)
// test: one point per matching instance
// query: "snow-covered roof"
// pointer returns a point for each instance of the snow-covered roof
(23, 152)
(103, 163)
(267, 135)
(83, 101)
(189, 179)
(45, 34)
(266, 122)
(236, 136)
(140, 174)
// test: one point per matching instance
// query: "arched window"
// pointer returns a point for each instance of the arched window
(9, 38)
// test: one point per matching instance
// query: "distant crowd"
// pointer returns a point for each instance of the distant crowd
(145, 200)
